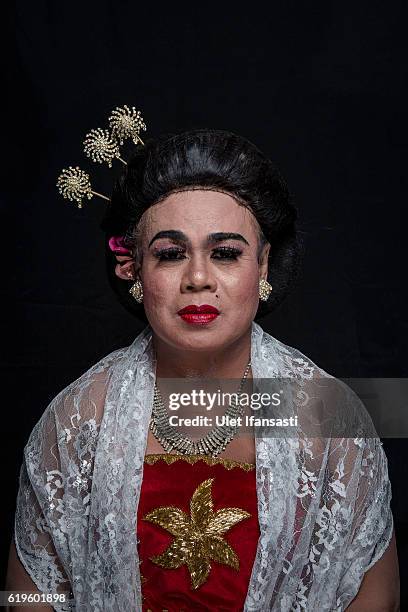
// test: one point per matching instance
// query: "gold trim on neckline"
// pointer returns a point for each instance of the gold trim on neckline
(229, 464)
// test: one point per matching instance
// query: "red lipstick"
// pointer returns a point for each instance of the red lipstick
(198, 315)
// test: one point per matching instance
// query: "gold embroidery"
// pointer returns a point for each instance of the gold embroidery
(229, 464)
(198, 537)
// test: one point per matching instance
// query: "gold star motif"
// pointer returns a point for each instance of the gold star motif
(198, 537)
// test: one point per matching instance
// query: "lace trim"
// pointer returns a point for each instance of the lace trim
(384, 544)
(229, 464)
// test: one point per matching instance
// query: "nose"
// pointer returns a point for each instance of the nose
(198, 276)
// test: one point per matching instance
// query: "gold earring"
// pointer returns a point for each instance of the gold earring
(264, 290)
(136, 291)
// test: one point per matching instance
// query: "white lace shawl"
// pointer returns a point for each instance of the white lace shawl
(75, 521)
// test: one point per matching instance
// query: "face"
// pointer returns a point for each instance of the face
(200, 248)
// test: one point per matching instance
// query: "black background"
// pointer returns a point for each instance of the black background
(320, 87)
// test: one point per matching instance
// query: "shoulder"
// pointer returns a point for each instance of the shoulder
(324, 401)
(76, 411)
(288, 361)
(74, 416)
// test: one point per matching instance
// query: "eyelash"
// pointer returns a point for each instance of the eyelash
(230, 254)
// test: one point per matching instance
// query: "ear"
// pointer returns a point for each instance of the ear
(263, 261)
(125, 268)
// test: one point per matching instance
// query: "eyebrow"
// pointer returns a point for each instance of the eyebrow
(179, 236)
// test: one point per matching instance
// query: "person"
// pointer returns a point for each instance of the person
(119, 513)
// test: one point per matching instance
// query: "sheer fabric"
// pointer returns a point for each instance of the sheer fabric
(80, 482)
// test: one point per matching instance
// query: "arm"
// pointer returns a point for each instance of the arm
(18, 580)
(53, 496)
(379, 590)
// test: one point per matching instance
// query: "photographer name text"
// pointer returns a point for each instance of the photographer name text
(227, 421)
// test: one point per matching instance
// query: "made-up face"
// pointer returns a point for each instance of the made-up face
(200, 249)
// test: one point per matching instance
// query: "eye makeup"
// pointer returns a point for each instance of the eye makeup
(176, 253)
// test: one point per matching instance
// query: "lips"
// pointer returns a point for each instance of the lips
(204, 309)
(198, 315)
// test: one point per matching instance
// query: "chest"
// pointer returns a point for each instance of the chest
(241, 448)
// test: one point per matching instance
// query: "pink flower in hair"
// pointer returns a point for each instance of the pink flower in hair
(116, 245)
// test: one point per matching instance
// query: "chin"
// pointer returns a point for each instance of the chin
(202, 339)
(198, 340)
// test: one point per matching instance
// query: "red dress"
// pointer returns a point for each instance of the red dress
(197, 526)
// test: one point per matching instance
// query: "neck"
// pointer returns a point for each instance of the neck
(227, 362)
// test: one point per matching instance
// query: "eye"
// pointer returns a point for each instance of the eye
(226, 253)
(172, 254)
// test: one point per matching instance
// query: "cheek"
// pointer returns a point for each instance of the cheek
(248, 285)
(243, 284)
(239, 299)
(158, 287)
(244, 302)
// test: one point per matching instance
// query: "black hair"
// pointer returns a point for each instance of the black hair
(208, 159)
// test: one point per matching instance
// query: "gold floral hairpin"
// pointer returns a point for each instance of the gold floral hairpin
(102, 146)
(74, 185)
(127, 123)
